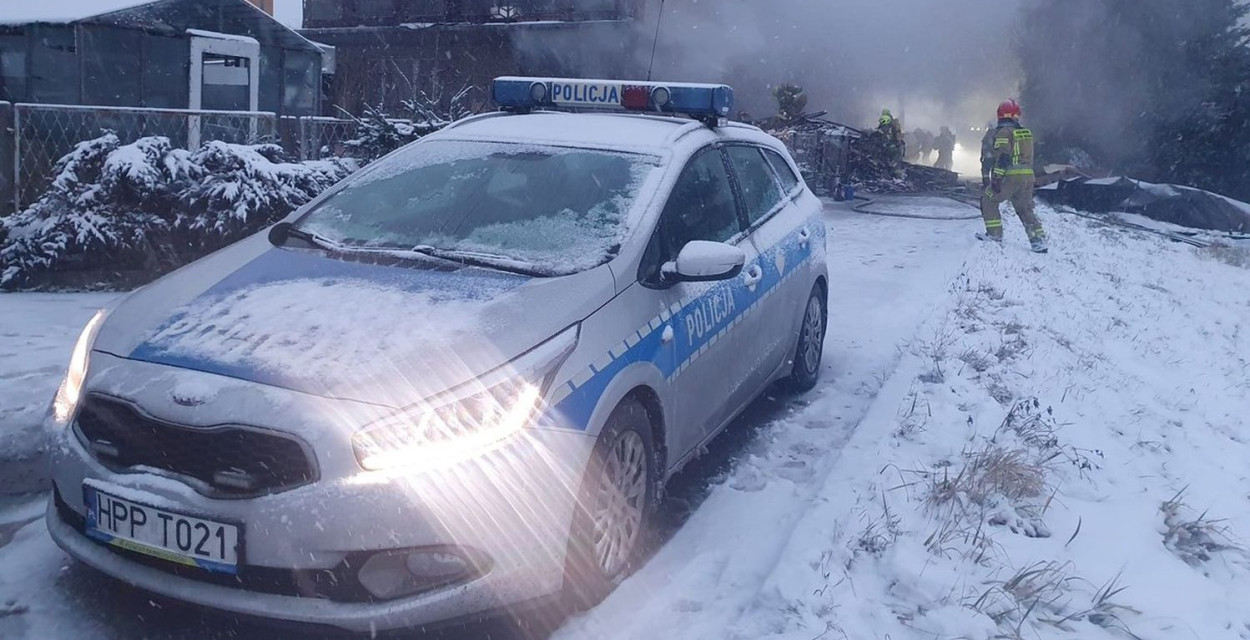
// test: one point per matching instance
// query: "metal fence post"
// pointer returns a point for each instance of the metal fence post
(17, 158)
(305, 148)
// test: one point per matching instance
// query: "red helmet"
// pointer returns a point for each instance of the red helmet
(1009, 109)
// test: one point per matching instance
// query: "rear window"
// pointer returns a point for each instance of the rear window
(788, 180)
(558, 209)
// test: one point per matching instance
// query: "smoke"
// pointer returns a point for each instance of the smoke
(933, 62)
(1125, 68)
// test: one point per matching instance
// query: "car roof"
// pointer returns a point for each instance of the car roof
(626, 132)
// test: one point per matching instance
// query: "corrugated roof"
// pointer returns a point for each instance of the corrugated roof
(61, 11)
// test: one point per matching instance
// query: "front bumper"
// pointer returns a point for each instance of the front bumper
(512, 506)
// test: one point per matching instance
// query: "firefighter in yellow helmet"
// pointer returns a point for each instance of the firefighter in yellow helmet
(891, 131)
(1010, 168)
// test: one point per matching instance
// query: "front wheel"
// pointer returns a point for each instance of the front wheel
(614, 508)
(809, 352)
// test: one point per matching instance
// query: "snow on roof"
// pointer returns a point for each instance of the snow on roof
(61, 11)
(222, 36)
(599, 130)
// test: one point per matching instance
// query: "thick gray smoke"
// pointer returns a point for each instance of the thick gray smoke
(934, 61)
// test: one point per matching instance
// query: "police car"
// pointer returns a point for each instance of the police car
(456, 381)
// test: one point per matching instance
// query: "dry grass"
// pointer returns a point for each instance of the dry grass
(879, 532)
(988, 473)
(1043, 593)
(1193, 540)
(978, 360)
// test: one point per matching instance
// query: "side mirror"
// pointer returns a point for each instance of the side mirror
(703, 261)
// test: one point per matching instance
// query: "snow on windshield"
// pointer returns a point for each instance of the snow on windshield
(560, 210)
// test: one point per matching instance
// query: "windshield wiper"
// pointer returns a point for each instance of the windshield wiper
(283, 231)
(484, 260)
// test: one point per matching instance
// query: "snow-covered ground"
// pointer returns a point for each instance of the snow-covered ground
(920, 492)
(959, 508)
(37, 333)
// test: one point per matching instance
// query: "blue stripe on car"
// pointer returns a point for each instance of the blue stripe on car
(575, 404)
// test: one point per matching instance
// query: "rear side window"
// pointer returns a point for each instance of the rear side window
(760, 191)
(784, 173)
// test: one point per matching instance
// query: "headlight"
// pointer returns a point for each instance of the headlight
(66, 401)
(469, 420)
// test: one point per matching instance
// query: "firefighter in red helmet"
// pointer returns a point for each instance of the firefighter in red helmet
(1009, 165)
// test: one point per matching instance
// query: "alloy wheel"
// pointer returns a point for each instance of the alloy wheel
(619, 503)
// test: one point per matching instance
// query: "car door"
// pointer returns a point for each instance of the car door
(773, 223)
(804, 224)
(705, 325)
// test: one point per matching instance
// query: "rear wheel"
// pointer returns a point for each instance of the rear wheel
(614, 509)
(809, 352)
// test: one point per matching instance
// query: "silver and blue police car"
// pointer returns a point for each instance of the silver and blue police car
(458, 380)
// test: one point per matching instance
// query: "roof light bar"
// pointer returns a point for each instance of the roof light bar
(704, 101)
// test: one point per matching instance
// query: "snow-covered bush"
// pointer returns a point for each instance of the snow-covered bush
(127, 213)
(244, 187)
(379, 132)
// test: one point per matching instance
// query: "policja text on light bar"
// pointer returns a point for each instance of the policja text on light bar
(703, 101)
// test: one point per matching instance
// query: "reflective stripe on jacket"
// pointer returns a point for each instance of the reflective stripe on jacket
(1013, 150)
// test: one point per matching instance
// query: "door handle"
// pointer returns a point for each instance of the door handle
(805, 237)
(753, 276)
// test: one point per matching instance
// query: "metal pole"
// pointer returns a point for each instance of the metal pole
(17, 159)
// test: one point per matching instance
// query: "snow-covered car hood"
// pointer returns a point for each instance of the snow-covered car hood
(307, 322)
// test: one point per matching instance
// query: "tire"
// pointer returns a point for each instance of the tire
(809, 351)
(594, 566)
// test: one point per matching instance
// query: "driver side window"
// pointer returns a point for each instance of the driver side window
(700, 207)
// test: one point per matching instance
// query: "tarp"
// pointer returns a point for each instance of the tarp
(1184, 206)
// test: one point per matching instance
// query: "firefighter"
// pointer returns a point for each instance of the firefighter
(1011, 178)
(945, 145)
(891, 132)
(987, 154)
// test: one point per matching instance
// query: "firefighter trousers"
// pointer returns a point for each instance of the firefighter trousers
(1017, 189)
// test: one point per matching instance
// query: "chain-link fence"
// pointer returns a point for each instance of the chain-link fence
(42, 134)
(7, 157)
(314, 138)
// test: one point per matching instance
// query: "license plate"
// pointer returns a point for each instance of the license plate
(186, 540)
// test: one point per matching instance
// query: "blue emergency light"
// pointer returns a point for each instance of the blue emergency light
(702, 101)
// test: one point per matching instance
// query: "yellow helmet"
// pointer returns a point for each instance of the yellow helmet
(886, 117)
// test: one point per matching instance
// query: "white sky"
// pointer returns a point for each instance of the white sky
(290, 12)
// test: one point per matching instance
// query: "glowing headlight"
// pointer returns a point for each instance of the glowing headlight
(468, 421)
(66, 401)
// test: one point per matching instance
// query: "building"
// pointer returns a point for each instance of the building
(86, 67)
(389, 51)
(180, 54)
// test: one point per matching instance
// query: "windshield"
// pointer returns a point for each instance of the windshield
(559, 210)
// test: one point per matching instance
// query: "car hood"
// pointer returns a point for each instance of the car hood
(307, 322)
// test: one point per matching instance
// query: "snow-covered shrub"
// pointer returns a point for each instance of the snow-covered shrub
(99, 205)
(244, 187)
(379, 132)
(145, 208)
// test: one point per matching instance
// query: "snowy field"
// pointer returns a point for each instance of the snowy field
(1004, 445)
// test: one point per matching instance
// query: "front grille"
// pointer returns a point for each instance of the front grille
(226, 461)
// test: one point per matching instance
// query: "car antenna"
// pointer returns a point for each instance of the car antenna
(659, 20)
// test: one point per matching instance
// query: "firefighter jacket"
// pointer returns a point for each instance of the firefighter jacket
(1013, 150)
